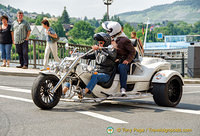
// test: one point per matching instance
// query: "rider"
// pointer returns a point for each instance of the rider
(105, 62)
(125, 51)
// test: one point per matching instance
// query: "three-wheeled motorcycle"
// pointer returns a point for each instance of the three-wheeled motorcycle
(148, 76)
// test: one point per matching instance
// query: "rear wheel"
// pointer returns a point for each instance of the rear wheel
(168, 94)
(41, 91)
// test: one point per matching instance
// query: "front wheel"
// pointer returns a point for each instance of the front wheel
(41, 91)
(168, 94)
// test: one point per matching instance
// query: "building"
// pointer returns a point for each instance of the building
(175, 38)
(38, 32)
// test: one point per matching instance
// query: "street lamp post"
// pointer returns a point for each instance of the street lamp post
(107, 2)
(145, 39)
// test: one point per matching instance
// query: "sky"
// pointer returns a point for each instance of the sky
(82, 8)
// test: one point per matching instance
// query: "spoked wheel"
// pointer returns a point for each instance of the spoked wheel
(42, 95)
(168, 94)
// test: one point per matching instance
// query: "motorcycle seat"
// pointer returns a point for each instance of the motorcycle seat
(133, 65)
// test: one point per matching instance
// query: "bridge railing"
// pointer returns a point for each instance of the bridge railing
(178, 59)
(37, 49)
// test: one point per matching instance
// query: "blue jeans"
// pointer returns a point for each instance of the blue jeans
(123, 70)
(5, 51)
(100, 77)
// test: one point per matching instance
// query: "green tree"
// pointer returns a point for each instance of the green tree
(100, 29)
(104, 18)
(128, 29)
(196, 28)
(117, 19)
(39, 19)
(57, 26)
(65, 17)
(81, 30)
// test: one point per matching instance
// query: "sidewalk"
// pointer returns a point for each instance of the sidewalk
(13, 71)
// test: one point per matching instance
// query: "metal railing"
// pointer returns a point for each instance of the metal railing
(37, 49)
(177, 58)
(178, 62)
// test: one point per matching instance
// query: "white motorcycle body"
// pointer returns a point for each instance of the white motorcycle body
(149, 77)
(141, 78)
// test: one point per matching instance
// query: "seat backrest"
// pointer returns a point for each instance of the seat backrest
(110, 81)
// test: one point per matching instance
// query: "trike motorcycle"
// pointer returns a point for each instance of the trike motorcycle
(148, 76)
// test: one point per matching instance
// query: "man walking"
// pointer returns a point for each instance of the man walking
(22, 32)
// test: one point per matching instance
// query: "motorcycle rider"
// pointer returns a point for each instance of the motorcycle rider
(125, 51)
(105, 62)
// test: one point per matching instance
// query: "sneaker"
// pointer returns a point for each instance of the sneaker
(123, 92)
(18, 66)
(24, 67)
(43, 69)
(63, 96)
(7, 65)
(3, 65)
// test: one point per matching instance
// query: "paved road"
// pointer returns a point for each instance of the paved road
(20, 117)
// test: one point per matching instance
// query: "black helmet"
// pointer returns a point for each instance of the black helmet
(103, 37)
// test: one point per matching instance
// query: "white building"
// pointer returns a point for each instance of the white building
(38, 32)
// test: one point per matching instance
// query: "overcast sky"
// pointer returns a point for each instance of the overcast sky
(82, 8)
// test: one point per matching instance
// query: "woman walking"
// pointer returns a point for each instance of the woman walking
(6, 39)
(51, 44)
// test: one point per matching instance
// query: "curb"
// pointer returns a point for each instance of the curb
(11, 71)
(186, 81)
(19, 74)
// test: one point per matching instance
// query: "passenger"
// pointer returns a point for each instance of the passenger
(137, 42)
(125, 51)
(105, 63)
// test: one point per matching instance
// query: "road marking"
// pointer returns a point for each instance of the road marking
(191, 92)
(16, 98)
(14, 89)
(170, 109)
(197, 112)
(103, 117)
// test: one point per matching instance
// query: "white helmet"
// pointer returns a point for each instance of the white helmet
(112, 27)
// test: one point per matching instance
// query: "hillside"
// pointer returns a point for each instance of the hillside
(185, 10)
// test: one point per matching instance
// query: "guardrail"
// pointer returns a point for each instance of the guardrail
(37, 49)
(177, 63)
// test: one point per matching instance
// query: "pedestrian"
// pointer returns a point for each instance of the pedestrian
(6, 39)
(22, 32)
(125, 51)
(137, 43)
(51, 45)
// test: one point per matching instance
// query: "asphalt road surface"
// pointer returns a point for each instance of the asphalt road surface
(20, 117)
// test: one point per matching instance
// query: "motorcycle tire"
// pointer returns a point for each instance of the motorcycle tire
(41, 94)
(168, 94)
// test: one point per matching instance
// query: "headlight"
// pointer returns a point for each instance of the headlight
(159, 76)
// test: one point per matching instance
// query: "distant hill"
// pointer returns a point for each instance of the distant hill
(184, 10)
(11, 12)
